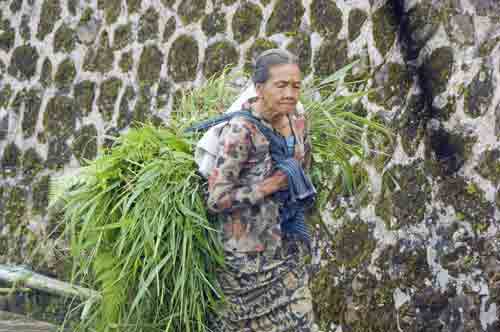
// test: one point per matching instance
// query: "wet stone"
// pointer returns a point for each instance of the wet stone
(11, 160)
(385, 26)
(51, 13)
(301, 47)
(286, 17)
(191, 10)
(84, 92)
(126, 62)
(32, 102)
(436, 71)
(59, 153)
(246, 22)
(23, 62)
(124, 112)
(213, 23)
(148, 25)
(150, 64)
(183, 59)
(489, 166)
(65, 74)
(108, 95)
(479, 94)
(84, 145)
(7, 35)
(326, 18)
(32, 165)
(122, 36)
(64, 39)
(218, 56)
(332, 56)
(357, 18)
(169, 28)
(60, 117)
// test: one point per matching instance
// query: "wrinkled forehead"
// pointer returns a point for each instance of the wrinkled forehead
(289, 72)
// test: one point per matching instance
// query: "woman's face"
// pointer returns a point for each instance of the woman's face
(280, 93)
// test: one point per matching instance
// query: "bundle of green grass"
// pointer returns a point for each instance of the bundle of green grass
(136, 220)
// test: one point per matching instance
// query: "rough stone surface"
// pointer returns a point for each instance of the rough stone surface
(122, 36)
(23, 62)
(64, 39)
(326, 17)
(220, 55)
(84, 96)
(213, 24)
(286, 17)
(149, 25)
(479, 93)
(183, 59)
(357, 18)
(65, 74)
(385, 26)
(301, 47)
(191, 10)
(51, 12)
(169, 28)
(150, 64)
(32, 102)
(60, 117)
(331, 56)
(246, 22)
(85, 144)
(108, 94)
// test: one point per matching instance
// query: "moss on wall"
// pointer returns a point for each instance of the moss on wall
(32, 165)
(108, 94)
(148, 25)
(126, 62)
(213, 23)
(394, 80)
(183, 59)
(134, 5)
(150, 64)
(124, 112)
(385, 27)
(169, 28)
(59, 153)
(32, 101)
(301, 47)
(332, 55)
(357, 18)
(64, 39)
(259, 46)
(23, 62)
(112, 9)
(122, 36)
(84, 92)
(191, 10)
(11, 160)
(412, 124)
(246, 22)
(46, 73)
(84, 145)
(489, 166)
(65, 74)
(7, 35)
(326, 18)
(286, 17)
(5, 95)
(479, 94)
(59, 118)
(102, 59)
(218, 56)
(51, 13)
(436, 70)
(40, 191)
(25, 29)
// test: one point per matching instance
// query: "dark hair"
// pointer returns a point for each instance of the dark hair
(270, 58)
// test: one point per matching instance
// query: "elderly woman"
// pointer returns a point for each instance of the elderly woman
(265, 280)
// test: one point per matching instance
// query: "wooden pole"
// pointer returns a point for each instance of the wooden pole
(26, 278)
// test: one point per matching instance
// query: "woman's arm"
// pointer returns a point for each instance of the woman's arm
(226, 193)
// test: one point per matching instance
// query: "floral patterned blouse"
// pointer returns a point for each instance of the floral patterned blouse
(250, 220)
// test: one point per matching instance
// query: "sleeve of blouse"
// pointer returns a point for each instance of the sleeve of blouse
(226, 193)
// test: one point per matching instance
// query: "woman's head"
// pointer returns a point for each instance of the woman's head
(277, 80)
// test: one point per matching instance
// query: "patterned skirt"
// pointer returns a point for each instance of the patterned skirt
(266, 292)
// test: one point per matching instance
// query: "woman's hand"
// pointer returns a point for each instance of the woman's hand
(276, 182)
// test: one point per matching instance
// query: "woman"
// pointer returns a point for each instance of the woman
(265, 281)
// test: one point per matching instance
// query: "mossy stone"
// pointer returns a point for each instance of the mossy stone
(354, 244)
(150, 64)
(65, 74)
(16, 5)
(46, 74)
(168, 3)
(191, 10)
(59, 153)
(148, 25)
(260, 45)
(229, 2)
(87, 14)
(112, 9)
(64, 39)
(479, 94)
(497, 120)
(18, 100)
(124, 113)
(468, 200)
(142, 110)
(488, 46)
(461, 29)
(84, 145)
(72, 6)
(405, 193)
(7, 35)
(84, 92)
(15, 207)
(32, 165)
(436, 71)
(332, 56)
(214, 23)
(286, 17)
(169, 28)
(122, 36)
(163, 94)
(23, 62)
(60, 116)
(246, 22)
(385, 27)
(32, 102)
(301, 47)
(25, 29)
(126, 62)
(395, 81)
(5, 95)
(110, 137)
(108, 95)
(183, 59)
(134, 5)
(357, 18)
(326, 18)
(265, 2)
(41, 195)
(102, 59)
(423, 21)
(4, 127)
(489, 166)
(11, 160)
(497, 198)
(218, 56)
(51, 13)
(412, 124)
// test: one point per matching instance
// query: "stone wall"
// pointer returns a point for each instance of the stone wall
(419, 252)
